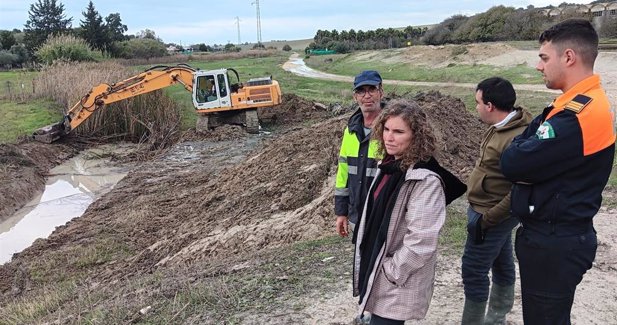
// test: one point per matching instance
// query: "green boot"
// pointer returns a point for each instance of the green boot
(500, 303)
(473, 312)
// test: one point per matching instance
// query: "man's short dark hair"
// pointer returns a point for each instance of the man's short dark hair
(498, 91)
(577, 34)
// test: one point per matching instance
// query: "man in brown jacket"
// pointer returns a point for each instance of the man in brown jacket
(489, 228)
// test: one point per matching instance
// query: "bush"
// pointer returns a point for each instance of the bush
(141, 48)
(286, 48)
(341, 47)
(231, 48)
(458, 50)
(20, 51)
(64, 47)
(608, 27)
(7, 58)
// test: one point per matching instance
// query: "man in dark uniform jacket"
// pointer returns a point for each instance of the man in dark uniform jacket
(559, 166)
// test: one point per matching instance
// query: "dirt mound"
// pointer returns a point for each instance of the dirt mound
(438, 56)
(224, 194)
(293, 109)
(458, 131)
(443, 55)
(22, 171)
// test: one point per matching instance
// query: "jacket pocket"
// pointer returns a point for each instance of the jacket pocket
(385, 276)
(521, 201)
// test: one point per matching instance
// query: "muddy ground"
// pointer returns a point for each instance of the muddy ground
(228, 227)
(212, 196)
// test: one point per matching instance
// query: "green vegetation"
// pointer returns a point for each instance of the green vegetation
(20, 119)
(65, 47)
(16, 85)
(454, 232)
(218, 292)
(460, 73)
(323, 91)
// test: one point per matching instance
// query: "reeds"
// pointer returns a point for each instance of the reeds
(151, 118)
(198, 56)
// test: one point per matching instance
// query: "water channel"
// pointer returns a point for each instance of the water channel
(70, 189)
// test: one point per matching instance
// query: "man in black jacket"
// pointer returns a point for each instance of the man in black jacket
(560, 165)
(357, 162)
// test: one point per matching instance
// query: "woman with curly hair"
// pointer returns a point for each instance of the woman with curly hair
(396, 243)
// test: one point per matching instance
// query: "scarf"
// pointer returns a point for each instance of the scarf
(381, 200)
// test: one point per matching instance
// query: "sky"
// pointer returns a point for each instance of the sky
(218, 22)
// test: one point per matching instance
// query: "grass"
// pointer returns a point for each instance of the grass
(22, 118)
(460, 73)
(454, 231)
(16, 84)
(275, 280)
(323, 91)
(27, 311)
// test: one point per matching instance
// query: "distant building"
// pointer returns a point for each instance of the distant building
(172, 49)
(594, 10)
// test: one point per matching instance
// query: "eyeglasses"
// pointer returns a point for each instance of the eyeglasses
(364, 90)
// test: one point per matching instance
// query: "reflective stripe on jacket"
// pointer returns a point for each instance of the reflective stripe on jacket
(357, 165)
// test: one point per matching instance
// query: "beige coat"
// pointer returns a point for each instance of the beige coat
(400, 286)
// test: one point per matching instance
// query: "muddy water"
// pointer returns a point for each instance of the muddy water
(70, 189)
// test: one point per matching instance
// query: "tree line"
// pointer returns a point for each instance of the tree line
(499, 23)
(48, 35)
(381, 38)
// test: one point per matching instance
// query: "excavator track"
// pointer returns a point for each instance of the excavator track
(251, 121)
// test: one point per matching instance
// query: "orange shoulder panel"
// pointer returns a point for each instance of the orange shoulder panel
(596, 120)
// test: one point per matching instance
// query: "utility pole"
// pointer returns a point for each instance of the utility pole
(256, 3)
(238, 24)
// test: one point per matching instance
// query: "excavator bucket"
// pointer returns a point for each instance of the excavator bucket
(50, 133)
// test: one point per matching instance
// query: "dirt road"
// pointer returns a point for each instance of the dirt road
(296, 65)
(492, 54)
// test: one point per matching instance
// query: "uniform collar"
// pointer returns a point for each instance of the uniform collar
(581, 87)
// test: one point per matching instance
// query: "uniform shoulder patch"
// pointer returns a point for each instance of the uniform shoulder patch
(545, 131)
(579, 102)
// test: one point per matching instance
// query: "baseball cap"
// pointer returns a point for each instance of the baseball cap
(367, 77)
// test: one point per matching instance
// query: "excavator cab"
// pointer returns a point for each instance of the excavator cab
(220, 98)
(212, 89)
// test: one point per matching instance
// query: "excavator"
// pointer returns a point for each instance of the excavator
(218, 97)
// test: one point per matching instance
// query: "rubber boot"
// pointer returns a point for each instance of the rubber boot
(473, 312)
(500, 303)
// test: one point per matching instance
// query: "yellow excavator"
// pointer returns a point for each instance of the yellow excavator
(218, 97)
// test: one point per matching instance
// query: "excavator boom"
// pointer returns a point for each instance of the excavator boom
(157, 77)
(214, 95)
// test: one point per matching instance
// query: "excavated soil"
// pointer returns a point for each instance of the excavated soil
(213, 195)
(22, 171)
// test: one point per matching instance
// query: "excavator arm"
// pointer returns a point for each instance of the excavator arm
(154, 78)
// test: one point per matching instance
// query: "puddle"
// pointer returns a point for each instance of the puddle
(70, 189)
